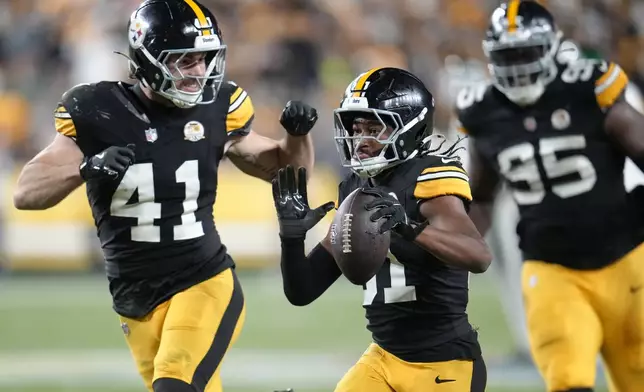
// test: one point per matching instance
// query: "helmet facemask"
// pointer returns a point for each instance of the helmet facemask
(522, 63)
(171, 60)
(388, 134)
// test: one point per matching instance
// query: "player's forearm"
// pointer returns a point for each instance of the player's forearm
(456, 249)
(297, 151)
(481, 215)
(306, 278)
(42, 185)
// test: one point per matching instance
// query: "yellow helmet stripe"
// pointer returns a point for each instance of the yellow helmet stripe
(200, 16)
(362, 81)
(511, 14)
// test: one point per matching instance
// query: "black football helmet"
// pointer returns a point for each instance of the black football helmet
(403, 106)
(521, 45)
(160, 29)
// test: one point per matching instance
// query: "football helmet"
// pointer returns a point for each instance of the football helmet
(402, 106)
(521, 43)
(160, 34)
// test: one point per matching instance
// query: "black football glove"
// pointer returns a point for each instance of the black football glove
(298, 118)
(109, 163)
(393, 213)
(292, 205)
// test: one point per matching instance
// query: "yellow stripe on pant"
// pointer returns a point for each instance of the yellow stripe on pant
(186, 337)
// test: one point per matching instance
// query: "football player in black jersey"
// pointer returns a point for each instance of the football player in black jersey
(557, 131)
(148, 154)
(416, 304)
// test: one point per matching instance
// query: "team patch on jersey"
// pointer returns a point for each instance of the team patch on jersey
(240, 112)
(610, 86)
(194, 131)
(63, 122)
(560, 119)
(443, 180)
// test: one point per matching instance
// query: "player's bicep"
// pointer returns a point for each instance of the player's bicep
(241, 113)
(61, 151)
(625, 125)
(448, 213)
(255, 155)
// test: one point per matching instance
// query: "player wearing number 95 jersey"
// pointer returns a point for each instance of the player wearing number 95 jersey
(557, 131)
(149, 154)
(416, 304)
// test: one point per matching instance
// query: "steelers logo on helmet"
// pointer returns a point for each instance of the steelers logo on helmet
(384, 119)
(136, 34)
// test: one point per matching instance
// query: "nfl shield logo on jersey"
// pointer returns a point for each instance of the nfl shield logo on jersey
(151, 135)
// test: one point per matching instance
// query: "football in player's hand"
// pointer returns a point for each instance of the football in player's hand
(357, 246)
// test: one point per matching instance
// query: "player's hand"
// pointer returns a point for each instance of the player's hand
(109, 163)
(292, 205)
(298, 118)
(389, 209)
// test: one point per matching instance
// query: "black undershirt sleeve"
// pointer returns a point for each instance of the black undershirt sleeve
(305, 277)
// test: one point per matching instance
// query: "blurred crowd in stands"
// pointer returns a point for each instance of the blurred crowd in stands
(280, 50)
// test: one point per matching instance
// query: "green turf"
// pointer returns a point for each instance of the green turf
(75, 313)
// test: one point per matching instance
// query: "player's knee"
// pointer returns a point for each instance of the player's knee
(578, 390)
(172, 385)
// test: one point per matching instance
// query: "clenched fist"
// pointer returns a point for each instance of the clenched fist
(298, 118)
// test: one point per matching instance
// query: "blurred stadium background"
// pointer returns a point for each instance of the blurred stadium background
(57, 329)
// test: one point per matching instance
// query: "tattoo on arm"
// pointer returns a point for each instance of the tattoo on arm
(253, 165)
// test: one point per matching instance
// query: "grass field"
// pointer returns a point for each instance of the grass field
(59, 334)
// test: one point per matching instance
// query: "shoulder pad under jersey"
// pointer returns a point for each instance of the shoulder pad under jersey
(240, 109)
(473, 104)
(441, 175)
(70, 108)
(603, 80)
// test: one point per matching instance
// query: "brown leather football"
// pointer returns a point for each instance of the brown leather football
(357, 247)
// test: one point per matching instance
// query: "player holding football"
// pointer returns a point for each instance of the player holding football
(149, 154)
(557, 132)
(416, 304)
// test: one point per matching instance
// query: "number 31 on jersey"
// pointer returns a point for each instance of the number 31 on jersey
(140, 178)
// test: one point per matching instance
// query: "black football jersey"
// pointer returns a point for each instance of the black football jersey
(416, 304)
(155, 224)
(563, 171)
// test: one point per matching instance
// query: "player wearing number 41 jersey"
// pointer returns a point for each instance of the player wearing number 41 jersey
(557, 130)
(416, 304)
(149, 155)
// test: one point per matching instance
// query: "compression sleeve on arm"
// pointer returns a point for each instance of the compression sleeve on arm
(306, 277)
